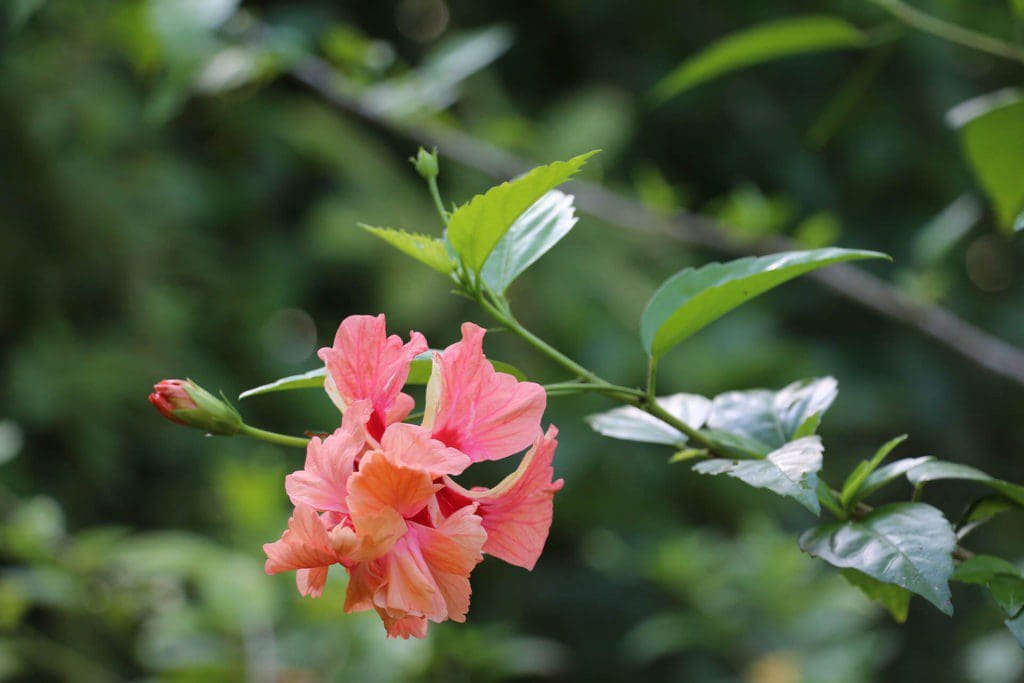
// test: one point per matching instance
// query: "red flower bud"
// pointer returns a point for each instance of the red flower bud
(185, 402)
(170, 395)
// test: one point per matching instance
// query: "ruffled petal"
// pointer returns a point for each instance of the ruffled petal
(404, 627)
(365, 363)
(411, 446)
(364, 579)
(311, 581)
(381, 484)
(488, 415)
(322, 483)
(451, 551)
(409, 588)
(304, 545)
(517, 512)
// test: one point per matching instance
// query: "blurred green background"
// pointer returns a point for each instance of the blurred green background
(173, 205)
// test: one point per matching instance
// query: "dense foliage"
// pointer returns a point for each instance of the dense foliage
(174, 204)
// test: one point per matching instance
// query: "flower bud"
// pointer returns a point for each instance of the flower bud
(185, 402)
(425, 163)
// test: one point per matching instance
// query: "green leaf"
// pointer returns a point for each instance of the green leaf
(632, 424)
(991, 131)
(306, 380)
(762, 43)
(935, 470)
(737, 445)
(1002, 579)
(907, 544)
(696, 297)
(419, 374)
(423, 248)
(851, 487)
(790, 471)
(475, 229)
(772, 418)
(884, 475)
(531, 236)
(1016, 627)
(982, 511)
(1018, 8)
(889, 595)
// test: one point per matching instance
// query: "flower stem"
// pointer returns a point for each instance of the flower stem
(273, 437)
(948, 31)
(435, 193)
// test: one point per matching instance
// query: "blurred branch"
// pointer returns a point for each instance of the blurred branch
(948, 31)
(851, 282)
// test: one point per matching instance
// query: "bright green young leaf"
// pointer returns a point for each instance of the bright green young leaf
(696, 297)
(425, 249)
(772, 418)
(790, 471)
(884, 475)
(935, 470)
(531, 236)
(853, 483)
(908, 544)
(632, 424)
(991, 131)
(475, 229)
(763, 43)
(889, 595)
(419, 374)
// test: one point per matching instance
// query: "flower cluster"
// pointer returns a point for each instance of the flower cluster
(377, 496)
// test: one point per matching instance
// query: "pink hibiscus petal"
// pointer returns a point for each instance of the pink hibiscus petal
(517, 512)
(304, 545)
(322, 483)
(365, 363)
(411, 446)
(488, 415)
(451, 551)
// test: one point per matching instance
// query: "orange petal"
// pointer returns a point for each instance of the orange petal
(451, 551)
(380, 484)
(411, 446)
(304, 545)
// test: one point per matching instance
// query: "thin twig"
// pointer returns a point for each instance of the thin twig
(851, 282)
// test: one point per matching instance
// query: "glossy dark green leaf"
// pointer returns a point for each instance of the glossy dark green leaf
(476, 228)
(991, 131)
(935, 470)
(632, 424)
(425, 249)
(531, 236)
(790, 471)
(851, 487)
(695, 297)
(889, 595)
(907, 544)
(763, 43)
(888, 473)
(772, 418)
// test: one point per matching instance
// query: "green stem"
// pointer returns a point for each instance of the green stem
(953, 33)
(612, 390)
(273, 437)
(435, 193)
(652, 373)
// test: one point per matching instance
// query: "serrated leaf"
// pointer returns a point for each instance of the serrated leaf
(884, 475)
(935, 470)
(531, 236)
(695, 297)
(425, 249)
(851, 487)
(907, 544)
(475, 229)
(419, 374)
(991, 129)
(763, 43)
(790, 471)
(772, 418)
(892, 597)
(632, 424)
